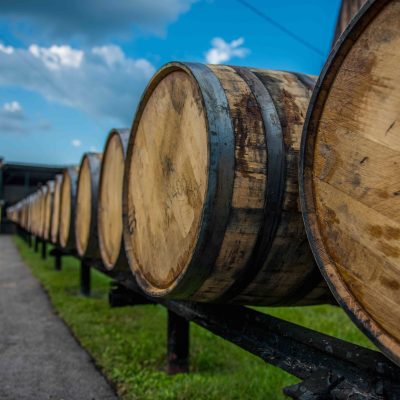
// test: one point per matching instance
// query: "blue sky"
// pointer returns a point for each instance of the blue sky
(71, 71)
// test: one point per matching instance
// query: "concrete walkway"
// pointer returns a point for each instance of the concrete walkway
(39, 359)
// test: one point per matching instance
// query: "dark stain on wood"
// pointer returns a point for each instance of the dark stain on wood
(389, 250)
(356, 180)
(390, 127)
(249, 106)
(392, 233)
(331, 161)
(390, 284)
(167, 166)
(383, 194)
(387, 232)
(375, 231)
(331, 216)
(178, 97)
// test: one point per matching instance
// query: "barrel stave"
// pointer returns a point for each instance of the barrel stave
(86, 230)
(55, 218)
(111, 244)
(67, 209)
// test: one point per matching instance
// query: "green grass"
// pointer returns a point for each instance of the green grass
(129, 344)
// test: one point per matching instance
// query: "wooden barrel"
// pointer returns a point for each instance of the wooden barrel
(29, 213)
(112, 250)
(55, 217)
(211, 193)
(86, 235)
(39, 213)
(67, 209)
(28, 206)
(32, 213)
(42, 211)
(48, 209)
(12, 213)
(350, 176)
(21, 213)
(25, 212)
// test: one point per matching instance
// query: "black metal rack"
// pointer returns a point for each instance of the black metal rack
(329, 368)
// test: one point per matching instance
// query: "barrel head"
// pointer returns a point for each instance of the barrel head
(351, 176)
(167, 174)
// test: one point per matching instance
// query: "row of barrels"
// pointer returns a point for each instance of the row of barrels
(35, 213)
(241, 185)
(68, 210)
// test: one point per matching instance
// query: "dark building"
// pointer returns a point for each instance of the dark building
(17, 180)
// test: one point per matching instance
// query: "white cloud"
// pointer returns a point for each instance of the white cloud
(93, 148)
(14, 120)
(102, 82)
(6, 49)
(56, 57)
(110, 54)
(91, 19)
(223, 51)
(12, 107)
(76, 143)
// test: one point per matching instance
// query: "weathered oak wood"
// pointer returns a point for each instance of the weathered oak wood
(41, 222)
(86, 233)
(48, 209)
(350, 175)
(67, 209)
(55, 218)
(211, 194)
(111, 245)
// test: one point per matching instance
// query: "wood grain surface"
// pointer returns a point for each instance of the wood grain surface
(351, 175)
(65, 209)
(55, 218)
(110, 199)
(169, 178)
(83, 207)
(48, 209)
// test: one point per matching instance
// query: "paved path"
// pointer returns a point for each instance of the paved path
(39, 359)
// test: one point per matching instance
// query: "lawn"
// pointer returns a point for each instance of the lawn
(129, 344)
